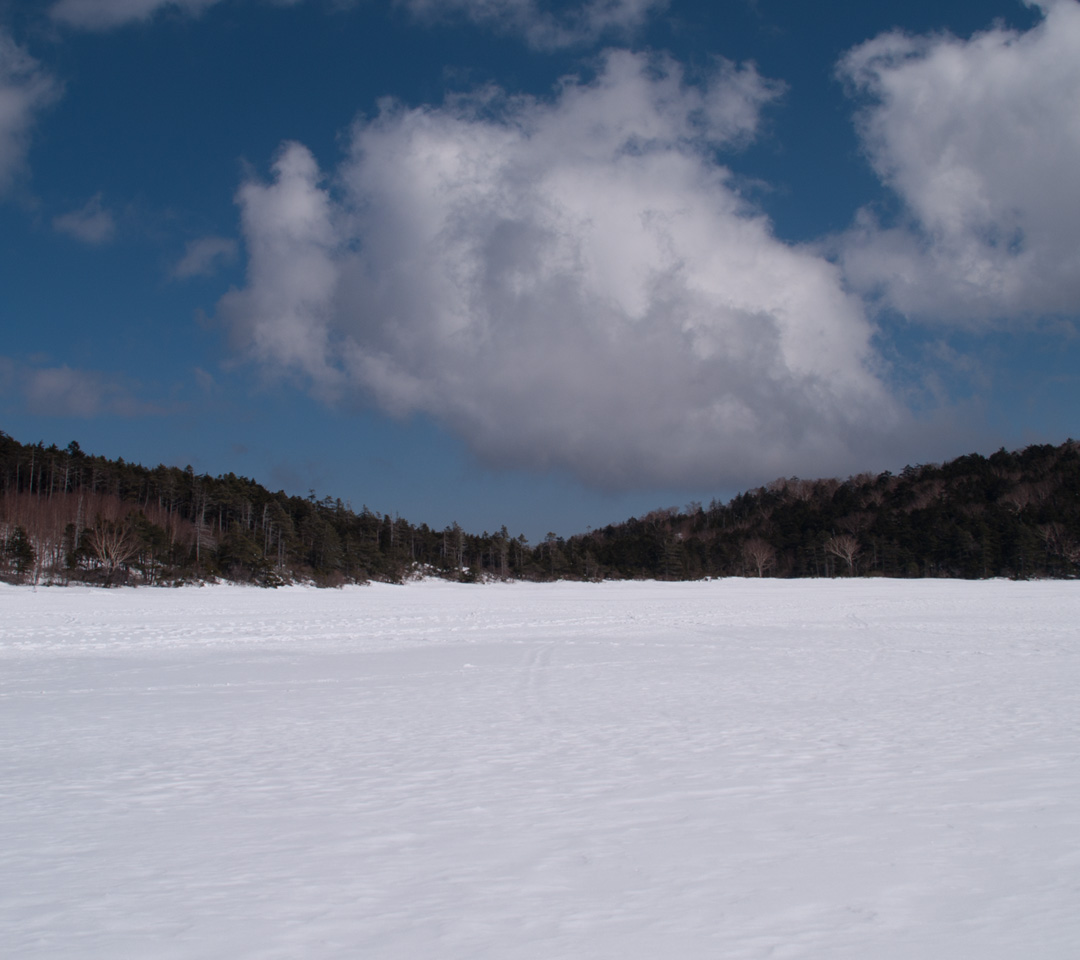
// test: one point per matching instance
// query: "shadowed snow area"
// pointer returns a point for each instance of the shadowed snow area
(727, 769)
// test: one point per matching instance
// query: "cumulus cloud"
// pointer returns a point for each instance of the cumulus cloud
(572, 283)
(285, 313)
(25, 88)
(204, 256)
(92, 223)
(538, 23)
(980, 139)
(106, 14)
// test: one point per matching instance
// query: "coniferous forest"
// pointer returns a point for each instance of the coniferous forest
(68, 516)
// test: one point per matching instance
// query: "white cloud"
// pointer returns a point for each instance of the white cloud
(204, 256)
(205, 381)
(25, 88)
(92, 223)
(106, 14)
(572, 283)
(542, 27)
(63, 391)
(980, 138)
(284, 314)
(66, 392)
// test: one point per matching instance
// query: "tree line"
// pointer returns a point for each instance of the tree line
(1013, 514)
(69, 516)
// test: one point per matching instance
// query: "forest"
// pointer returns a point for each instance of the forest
(68, 516)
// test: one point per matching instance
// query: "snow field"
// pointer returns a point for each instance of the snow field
(736, 769)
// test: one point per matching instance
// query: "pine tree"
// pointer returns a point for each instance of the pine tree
(20, 553)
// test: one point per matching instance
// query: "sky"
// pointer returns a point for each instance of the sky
(538, 264)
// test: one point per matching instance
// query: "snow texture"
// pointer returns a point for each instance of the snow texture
(728, 769)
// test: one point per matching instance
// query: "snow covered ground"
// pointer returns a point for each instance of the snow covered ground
(867, 769)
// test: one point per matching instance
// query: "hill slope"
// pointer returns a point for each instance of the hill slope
(66, 515)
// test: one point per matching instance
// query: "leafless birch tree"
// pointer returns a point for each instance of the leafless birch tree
(845, 547)
(759, 554)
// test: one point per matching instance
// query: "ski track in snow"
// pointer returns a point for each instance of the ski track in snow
(727, 769)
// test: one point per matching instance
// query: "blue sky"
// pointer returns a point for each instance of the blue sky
(546, 265)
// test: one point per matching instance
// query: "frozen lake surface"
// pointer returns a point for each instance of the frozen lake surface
(838, 770)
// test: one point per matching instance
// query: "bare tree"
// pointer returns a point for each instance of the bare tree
(114, 543)
(926, 494)
(1059, 542)
(856, 523)
(759, 554)
(845, 547)
(1018, 497)
(200, 500)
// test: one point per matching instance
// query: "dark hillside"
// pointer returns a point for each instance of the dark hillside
(1011, 514)
(68, 516)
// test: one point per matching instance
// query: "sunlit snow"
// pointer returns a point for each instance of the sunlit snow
(863, 769)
